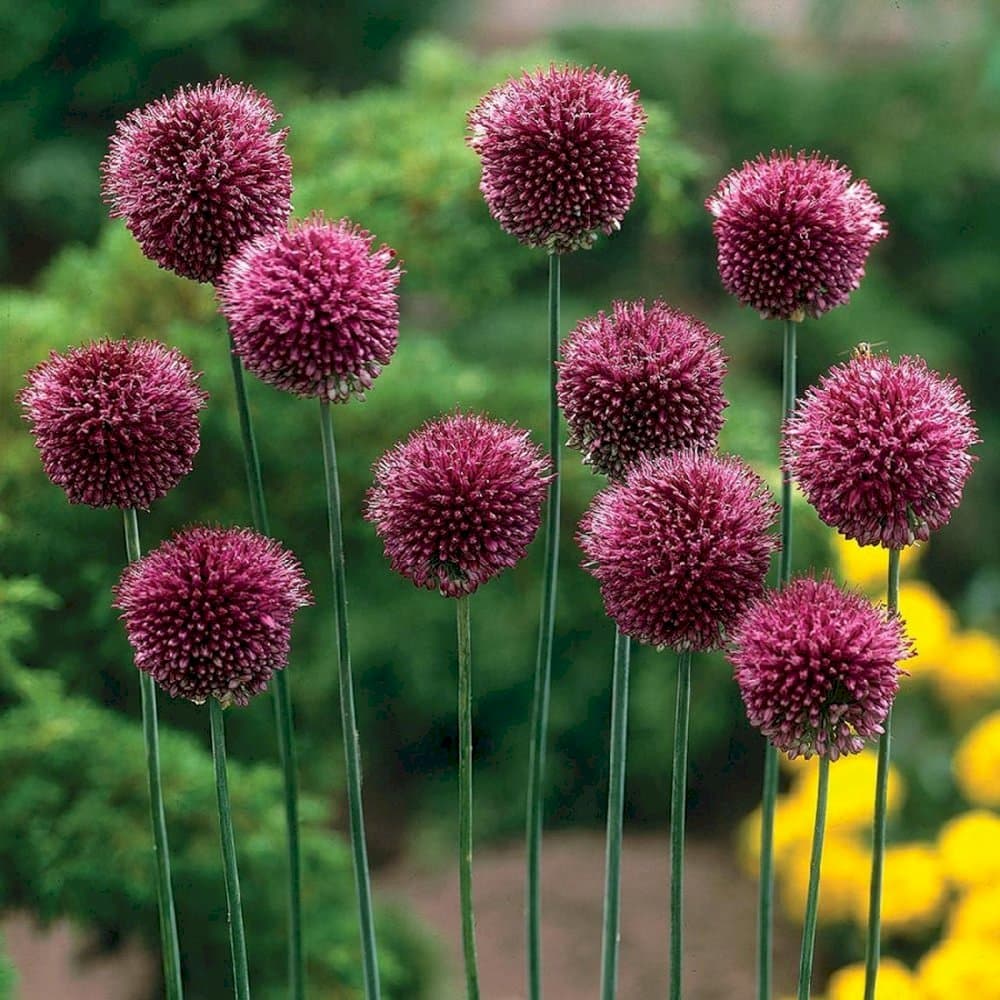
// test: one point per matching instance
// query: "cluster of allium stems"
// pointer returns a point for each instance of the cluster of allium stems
(680, 540)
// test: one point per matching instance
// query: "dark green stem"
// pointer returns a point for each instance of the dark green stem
(812, 897)
(872, 954)
(543, 666)
(465, 797)
(161, 848)
(349, 725)
(616, 808)
(769, 797)
(282, 699)
(678, 806)
(237, 937)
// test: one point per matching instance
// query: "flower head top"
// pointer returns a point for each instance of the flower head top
(817, 667)
(794, 233)
(196, 174)
(642, 381)
(458, 502)
(116, 421)
(313, 309)
(880, 449)
(560, 153)
(681, 547)
(209, 613)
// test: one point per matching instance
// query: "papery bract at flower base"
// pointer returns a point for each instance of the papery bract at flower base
(458, 502)
(196, 174)
(313, 310)
(209, 613)
(642, 381)
(116, 421)
(680, 547)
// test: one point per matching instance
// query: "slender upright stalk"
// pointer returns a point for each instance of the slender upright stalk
(161, 848)
(282, 701)
(616, 807)
(881, 810)
(678, 799)
(812, 898)
(769, 797)
(465, 796)
(352, 750)
(237, 937)
(543, 667)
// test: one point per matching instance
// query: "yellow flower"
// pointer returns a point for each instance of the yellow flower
(929, 623)
(914, 890)
(970, 670)
(976, 915)
(895, 982)
(977, 763)
(793, 825)
(958, 968)
(867, 567)
(969, 848)
(843, 877)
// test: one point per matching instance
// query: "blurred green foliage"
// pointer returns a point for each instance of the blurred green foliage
(8, 977)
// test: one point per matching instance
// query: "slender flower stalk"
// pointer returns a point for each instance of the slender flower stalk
(812, 897)
(237, 936)
(873, 948)
(616, 805)
(678, 798)
(349, 725)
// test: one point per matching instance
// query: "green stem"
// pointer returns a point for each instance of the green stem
(237, 937)
(616, 808)
(348, 720)
(881, 814)
(282, 699)
(465, 796)
(678, 806)
(543, 666)
(769, 796)
(812, 898)
(161, 848)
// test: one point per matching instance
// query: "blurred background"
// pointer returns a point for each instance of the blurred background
(906, 93)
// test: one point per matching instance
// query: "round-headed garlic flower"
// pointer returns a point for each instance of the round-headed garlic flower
(458, 502)
(560, 154)
(794, 233)
(680, 547)
(196, 174)
(116, 421)
(209, 613)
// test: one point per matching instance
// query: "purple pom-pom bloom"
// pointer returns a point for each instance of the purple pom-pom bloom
(681, 547)
(313, 310)
(880, 449)
(794, 233)
(643, 381)
(196, 174)
(209, 613)
(560, 152)
(116, 422)
(458, 502)
(817, 667)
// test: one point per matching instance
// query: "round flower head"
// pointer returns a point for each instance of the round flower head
(560, 153)
(880, 449)
(196, 174)
(794, 233)
(313, 309)
(458, 502)
(817, 667)
(680, 547)
(643, 381)
(209, 613)
(116, 422)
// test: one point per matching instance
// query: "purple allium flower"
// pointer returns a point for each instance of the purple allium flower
(642, 381)
(116, 422)
(313, 309)
(794, 233)
(880, 449)
(817, 667)
(458, 502)
(680, 547)
(209, 613)
(196, 174)
(560, 153)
